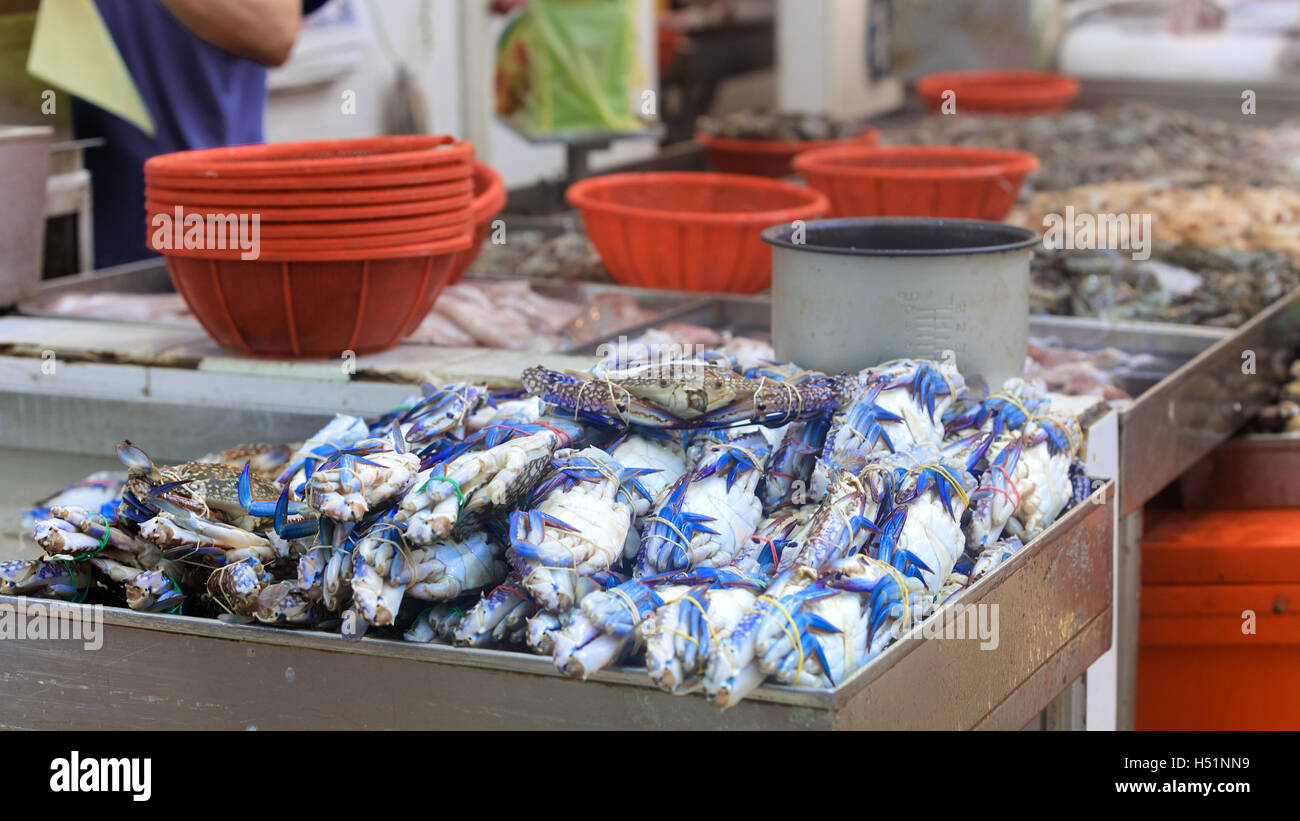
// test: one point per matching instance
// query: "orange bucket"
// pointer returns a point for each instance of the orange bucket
(1219, 641)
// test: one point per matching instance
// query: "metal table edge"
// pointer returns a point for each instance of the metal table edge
(501, 661)
(1152, 403)
(1061, 528)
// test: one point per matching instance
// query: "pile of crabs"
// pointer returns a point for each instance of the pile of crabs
(719, 518)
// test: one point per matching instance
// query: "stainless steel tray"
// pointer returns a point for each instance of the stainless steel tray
(1197, 407)
(176, 672)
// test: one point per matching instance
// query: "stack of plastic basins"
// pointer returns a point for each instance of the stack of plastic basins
(312, 249)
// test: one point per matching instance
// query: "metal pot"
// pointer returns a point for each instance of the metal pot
(848, 293)
(24, 168)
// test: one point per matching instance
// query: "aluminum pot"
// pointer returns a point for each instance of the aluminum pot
(24, 169)
(847, 293)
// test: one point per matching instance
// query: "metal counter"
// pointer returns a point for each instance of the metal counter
(1196, 395)
(1053, 601)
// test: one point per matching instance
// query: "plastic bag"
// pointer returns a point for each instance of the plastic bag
(570, 66)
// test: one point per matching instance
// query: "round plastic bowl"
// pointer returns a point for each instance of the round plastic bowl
(348, 196)
(398, 226)
(917, 181)
(767, 158)
(314, 305)
(314, 157)
(322, 213)
(280, 246)
(687, 230)
(214, 181)
(999, 92)
(489, 199)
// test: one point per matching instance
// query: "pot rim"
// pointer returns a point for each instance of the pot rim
(779, 236)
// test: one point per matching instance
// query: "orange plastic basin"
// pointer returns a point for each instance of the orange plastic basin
(315, 304)
(1197, 668)
(489, 199)
(321, 159)
(768, 158)
(687, 230)
(999, 92)
(323, 213)
(917, 181)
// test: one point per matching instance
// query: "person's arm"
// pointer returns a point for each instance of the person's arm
(261, 30)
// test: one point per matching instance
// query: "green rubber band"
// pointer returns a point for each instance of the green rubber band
(175, 611)
(85, 557)
(72, 574)
(460, 497)
(457, 611)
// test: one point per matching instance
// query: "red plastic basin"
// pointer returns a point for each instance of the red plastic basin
(917, 181)
(489, 199)
(315, 157)
(324, 213)
(767, 158)
(215, 181)
(399, 226)
(231, 200)
(999, 92)
(691, 231)
(314, 305)
(281, 246)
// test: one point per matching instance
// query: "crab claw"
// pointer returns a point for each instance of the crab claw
(291, 530)
(886, 598)
(253, 507)
(399, 441)
(134, 458)
(820, 655)
(168, 487)
(819, 623)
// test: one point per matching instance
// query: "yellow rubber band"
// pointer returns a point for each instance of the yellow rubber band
(795, 640)
(713, 635)
(947, 474)
(1013, 400)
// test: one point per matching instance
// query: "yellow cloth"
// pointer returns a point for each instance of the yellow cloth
(72, 49)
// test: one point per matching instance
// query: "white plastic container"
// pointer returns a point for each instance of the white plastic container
(24, 169)
(849, 293)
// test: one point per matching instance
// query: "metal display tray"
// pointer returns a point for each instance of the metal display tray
(1194, 395)
(1053, 602)
(1196, 408)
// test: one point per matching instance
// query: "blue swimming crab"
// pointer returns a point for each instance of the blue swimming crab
(685, 394)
